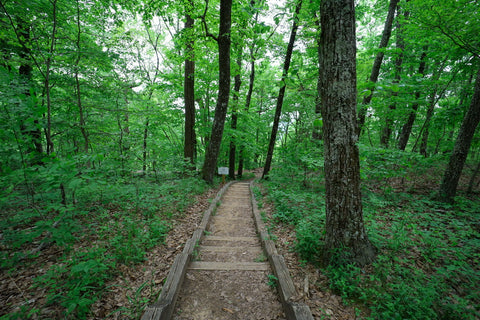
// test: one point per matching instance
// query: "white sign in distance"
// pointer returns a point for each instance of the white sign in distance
(223, 170)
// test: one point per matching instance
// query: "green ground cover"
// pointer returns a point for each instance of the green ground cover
(73, 248)
(428, 252)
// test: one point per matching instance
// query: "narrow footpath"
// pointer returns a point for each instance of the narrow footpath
(229, 269)
(229, 277)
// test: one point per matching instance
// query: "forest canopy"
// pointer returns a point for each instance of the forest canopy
(106, 79)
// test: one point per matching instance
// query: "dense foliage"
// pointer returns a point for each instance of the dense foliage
(427, 263)
(92, 134)
(75, 247)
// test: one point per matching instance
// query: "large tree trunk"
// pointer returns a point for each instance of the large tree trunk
(345, 238)
(189, 87)
(448, 188)
(281, 92)
(387, 31)
(213, 148)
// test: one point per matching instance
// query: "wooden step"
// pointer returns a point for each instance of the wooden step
(234, 239)
(229, 249)
(229, 266)
(234, 206)
(246, 197)
(227, 217)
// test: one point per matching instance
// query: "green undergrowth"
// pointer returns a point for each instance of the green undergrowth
(102, 222)
(428, 253)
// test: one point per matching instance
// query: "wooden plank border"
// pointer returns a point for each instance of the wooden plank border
(163, 308)
(286, 287)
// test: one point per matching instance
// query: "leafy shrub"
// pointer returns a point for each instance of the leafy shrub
(288, 207)
(309, 232)
(427, 266)
(77, 280)
(292, 205)
(134, 237)
(109, 219)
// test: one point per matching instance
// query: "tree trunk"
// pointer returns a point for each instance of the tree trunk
(387, 31)
(204, 105)
(454, 169)
(317, 123)
(472, 179)
(407, 127)
(32, 132)
(83, 129)
(5, 55)
(400, 44)
(247, 107)
(48, 64)
(281, 92)
(249, 98)
(213, 148)
(345, 238)
(387, 128)
(233, 124)
(189, 88)
(426, 124)
(145, 139)
(430, 110)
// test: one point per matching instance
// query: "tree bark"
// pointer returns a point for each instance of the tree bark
(281, 92)
(387, 31)
(448, 188)
(213, 148)
(189, 87)
(345, 238)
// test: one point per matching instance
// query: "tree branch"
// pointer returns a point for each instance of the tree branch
(204, 22)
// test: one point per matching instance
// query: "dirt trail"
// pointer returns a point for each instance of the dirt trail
(229, 277)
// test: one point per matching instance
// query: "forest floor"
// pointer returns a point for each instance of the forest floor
(126, 294)
(427, 252)
(139, 285)
(324, 303)
(237, 294)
